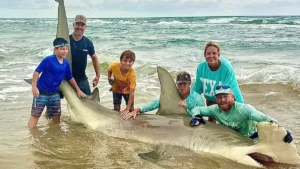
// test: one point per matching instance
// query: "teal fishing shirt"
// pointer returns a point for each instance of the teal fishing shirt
(207, 80)
(242, 117)
(193, 100)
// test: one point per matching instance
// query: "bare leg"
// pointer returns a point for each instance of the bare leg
(32, 122)
(117, 108)
(131, 109)
(56, 119)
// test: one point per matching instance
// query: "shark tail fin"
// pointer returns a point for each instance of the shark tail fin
(271, 147)
(59, 1)
(63, 29)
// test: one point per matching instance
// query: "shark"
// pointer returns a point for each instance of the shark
(174, 130)
(170, 126)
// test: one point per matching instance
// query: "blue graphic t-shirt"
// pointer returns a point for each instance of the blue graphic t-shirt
(193, 100)
(52, 74)
(80, 49)
(207, 80)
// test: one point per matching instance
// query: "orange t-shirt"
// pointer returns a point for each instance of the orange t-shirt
(123, 82)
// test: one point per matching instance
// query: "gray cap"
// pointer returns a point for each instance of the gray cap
(80, 18)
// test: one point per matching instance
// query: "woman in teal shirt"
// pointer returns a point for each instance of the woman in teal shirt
(215, 71)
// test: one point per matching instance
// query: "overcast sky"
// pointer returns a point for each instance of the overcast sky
(147, 8)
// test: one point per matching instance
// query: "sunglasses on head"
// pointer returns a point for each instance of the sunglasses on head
(61, 45)
(222, 87)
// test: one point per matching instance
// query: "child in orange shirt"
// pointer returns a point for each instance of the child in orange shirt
(123, 81)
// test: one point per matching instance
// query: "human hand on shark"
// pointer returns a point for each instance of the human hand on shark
(197, 120)
(128, 115)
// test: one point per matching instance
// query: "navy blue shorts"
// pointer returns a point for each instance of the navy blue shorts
(52, 101)
(118, 98)
(84, 86)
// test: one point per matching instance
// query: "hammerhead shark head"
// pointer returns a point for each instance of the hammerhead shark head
(170, 126)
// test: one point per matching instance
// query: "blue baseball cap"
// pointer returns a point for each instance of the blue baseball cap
(60, 42)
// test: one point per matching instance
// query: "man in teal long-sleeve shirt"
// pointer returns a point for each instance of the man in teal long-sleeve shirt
(238, 116)
(189, 98)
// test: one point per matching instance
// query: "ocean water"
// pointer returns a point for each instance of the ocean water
(264, 51)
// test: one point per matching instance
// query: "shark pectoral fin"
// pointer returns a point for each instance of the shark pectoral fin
(29, 81)
(160, 152)
(153, 156)
(95, 95)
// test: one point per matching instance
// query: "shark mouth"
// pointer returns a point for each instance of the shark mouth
(262, 159)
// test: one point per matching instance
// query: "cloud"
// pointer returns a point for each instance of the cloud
(98, 3)
(144, 8)
(237, 1)
(165, 5)
(29, 4)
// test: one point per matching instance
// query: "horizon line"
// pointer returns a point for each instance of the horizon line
(153, 17)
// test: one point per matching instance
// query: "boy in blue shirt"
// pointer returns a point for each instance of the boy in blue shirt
(53, 70)
(189, 98)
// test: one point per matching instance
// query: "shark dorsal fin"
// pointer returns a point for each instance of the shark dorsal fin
(169, 96)
(95, 95)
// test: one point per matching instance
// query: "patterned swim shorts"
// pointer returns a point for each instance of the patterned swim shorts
(52, 101)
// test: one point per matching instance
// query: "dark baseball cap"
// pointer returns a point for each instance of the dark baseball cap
(183, 77)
